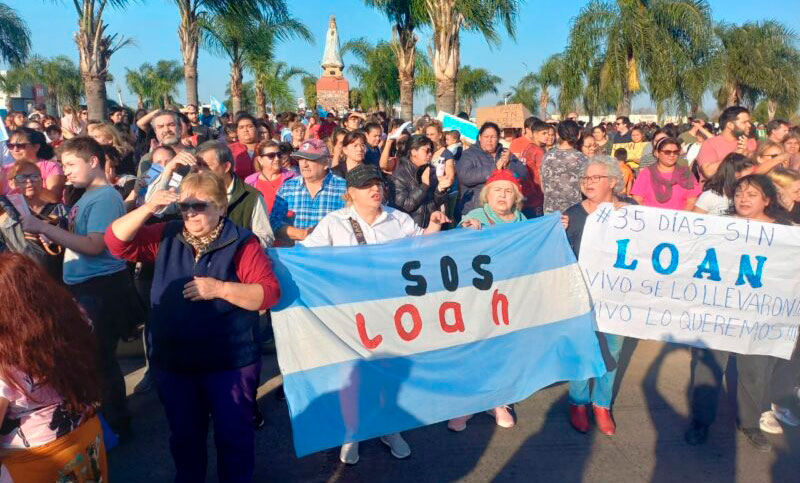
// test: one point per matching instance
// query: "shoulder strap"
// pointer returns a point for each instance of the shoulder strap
(357, 232)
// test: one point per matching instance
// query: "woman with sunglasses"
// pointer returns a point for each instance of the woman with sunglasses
(28, 145)
(270, 172)
(666, 184)
(211, 280)
(24, 177)
(769, 155)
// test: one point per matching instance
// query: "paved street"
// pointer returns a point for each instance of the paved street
(650, 410)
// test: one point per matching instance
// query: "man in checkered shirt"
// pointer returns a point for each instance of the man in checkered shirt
(311, 196)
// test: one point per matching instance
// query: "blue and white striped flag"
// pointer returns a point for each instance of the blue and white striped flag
(217, 106)
(383, 338)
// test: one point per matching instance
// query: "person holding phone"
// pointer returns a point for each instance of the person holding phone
(735, 126)
(415, 187)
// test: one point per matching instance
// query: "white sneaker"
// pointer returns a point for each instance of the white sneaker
(785, 415)
(397, 444)
(349, 453)
(769, 424)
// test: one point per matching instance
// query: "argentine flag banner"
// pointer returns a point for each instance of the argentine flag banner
(382, 338)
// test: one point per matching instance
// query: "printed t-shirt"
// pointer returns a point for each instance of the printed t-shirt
(93, 213)
(35, 420)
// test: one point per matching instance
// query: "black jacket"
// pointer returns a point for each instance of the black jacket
(408, 194)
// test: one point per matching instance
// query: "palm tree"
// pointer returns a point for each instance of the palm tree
(377, 76)
(310, 91)
(229, 34)
(472, 84)
(96, 47)
(247, 99)
(406, 16)
(139, 83)
(155, 85)
(189, 31)
(167, 74)
(273, 81)
(60, 74)
(635, 39)
(448, 18)
(15, 38)
(758, 59)
(525, 92)
(549, 75)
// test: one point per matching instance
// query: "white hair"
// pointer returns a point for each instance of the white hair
(612, 170)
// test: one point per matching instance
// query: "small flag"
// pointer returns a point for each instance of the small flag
(217, 106)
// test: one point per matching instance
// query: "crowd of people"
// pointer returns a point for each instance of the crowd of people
(160, 219)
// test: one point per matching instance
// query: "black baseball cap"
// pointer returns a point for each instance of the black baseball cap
(362, 175)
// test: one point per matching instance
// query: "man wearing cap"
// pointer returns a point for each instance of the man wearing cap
(365, 221)
(311, 196)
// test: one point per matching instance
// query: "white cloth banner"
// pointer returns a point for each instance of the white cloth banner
(708, 281)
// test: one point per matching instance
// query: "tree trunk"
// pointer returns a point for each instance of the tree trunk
(96, 100)
(544, 100)
(190, 77)
(624, 105)
(406, 98)
(405, 49)
(139, 102)
(446, 22)
(261, 100)
(772, 108)
(236, 88)
(734, 96)
(188, 34)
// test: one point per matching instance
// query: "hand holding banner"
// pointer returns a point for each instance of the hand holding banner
(381, 338)
(727, 283)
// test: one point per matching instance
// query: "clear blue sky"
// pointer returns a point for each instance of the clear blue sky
(542, 30)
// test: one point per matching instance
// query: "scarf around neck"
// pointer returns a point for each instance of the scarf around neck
(201, 243)
(662, 187)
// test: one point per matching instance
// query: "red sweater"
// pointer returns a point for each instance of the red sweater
(252, 264)
(242, 162)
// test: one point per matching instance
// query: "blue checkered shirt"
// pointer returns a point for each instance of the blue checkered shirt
(308, 211)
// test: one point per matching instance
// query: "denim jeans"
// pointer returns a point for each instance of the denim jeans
(601, 394)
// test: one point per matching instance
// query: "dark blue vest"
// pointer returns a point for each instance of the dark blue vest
(209, 335)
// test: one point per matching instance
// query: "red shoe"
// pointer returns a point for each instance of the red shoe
(579, 417)
(605, 423)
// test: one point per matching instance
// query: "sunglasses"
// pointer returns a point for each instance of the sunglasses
(270, 155)
(15, 146)
(196, 207)
(22, 178)
(671, 152)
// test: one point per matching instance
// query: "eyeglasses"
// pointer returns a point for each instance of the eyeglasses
(196, 207)
(23, 178)
(593, 179)
(15, 146)
(270, 155)
(671, 152)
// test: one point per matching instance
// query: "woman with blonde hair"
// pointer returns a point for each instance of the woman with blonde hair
(501, 202)
(211, 280)
(108, 135)
(769, 155)
(787, 181)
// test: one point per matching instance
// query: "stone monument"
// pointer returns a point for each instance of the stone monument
(333, 90)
